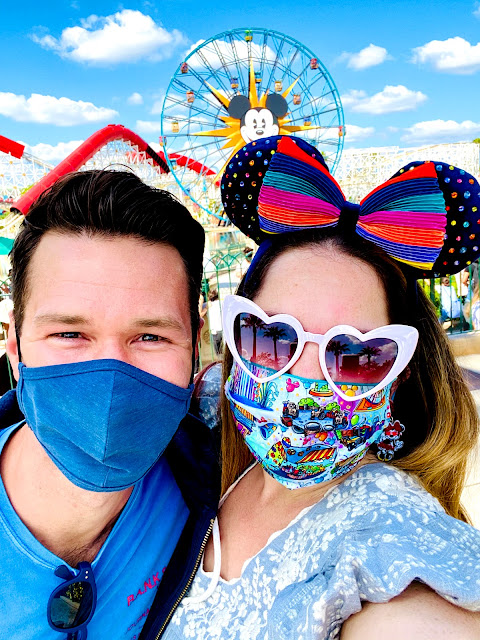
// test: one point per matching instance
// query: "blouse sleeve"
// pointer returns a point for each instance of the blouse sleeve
(378, 562)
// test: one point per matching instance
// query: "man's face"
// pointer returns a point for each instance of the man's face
(90, 298)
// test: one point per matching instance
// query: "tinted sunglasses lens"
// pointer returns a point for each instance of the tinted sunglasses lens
(264, 348)
(354, 363)
(72, 605)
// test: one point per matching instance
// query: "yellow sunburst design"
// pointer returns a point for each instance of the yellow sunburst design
(231, 131)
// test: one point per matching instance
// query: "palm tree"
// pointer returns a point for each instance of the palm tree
(337, 348)
(253, 323)
(275, 333)
(369, 352)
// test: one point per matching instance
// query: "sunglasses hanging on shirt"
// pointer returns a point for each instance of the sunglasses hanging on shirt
(72, 604)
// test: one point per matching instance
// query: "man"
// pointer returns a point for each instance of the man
(106, 276)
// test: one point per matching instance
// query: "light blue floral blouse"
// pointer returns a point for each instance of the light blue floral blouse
(367, 539)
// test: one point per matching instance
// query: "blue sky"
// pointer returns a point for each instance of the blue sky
(408, 72)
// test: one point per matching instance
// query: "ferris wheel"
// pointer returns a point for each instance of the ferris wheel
(239, 86)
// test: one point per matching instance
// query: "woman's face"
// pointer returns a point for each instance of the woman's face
(322, 288)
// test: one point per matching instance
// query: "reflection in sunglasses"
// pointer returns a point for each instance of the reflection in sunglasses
(271, 346)
(349, 360)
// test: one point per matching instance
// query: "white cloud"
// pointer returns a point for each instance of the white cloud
(476, 11)
(210, 54)
(438, 131)
(147, 126)
(370, 56)
(62, 112)
(157, 107)
(355, 133)
(53, 153)
(392, 99)
(454, 55)
(158, 97)
(126, 36)
(135, 98)
(353, 97)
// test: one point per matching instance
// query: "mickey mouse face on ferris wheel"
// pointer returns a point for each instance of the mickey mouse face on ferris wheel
(258, 122)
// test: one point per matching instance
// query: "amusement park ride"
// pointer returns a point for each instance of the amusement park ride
(239, 86)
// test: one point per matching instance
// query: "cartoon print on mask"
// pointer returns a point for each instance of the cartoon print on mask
(258, 122)
(304, 433)
(390, 441)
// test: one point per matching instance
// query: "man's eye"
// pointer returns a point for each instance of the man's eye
(150, 337)
(67, 334)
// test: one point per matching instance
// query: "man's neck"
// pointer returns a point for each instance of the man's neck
(69, 521)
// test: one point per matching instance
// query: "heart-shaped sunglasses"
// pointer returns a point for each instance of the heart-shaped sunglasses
(356, 364)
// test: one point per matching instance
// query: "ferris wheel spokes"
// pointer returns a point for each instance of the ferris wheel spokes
(256, 64)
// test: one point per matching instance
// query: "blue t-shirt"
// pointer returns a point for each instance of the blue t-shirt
(127, 568)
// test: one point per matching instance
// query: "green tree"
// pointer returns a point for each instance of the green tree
(253, 323)
(275, 333)
(369, 352)
(338, 349)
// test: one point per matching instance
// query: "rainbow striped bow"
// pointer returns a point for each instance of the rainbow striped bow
(405, 216)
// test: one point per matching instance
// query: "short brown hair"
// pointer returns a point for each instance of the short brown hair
(108, 203)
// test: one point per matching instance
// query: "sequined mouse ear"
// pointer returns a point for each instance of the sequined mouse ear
(243, 178)
(461, 192)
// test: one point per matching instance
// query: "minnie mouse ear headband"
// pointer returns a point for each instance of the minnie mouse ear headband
(426, 216)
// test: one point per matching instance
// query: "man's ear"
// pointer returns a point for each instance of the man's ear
(12, 346)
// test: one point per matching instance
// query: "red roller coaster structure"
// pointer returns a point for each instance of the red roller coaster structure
(84, 153)
(94, 153)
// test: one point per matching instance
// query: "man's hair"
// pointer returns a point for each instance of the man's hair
(108, 203)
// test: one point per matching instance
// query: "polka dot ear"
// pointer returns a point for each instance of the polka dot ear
(462, 204)
(243, 178)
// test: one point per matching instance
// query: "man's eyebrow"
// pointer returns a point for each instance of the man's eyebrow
(162, 322)
(60, 318)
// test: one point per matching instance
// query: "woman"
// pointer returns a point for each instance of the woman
(312, 524)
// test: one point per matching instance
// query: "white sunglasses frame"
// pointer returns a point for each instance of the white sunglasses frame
(404, 336)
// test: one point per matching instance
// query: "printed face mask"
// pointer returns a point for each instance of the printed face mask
(301, 431)
(104, 423)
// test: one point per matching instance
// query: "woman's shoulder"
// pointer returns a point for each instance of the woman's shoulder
(381, 487)
(389, 514)
(418, 612)
(389, 533)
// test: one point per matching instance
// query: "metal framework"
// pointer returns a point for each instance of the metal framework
(17, 174)
(361, 170)
(277, 86)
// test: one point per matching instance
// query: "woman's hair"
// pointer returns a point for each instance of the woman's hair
(433, 401)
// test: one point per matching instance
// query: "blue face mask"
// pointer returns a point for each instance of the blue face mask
(104, 423)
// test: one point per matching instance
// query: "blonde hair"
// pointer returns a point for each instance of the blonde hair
(436, 407)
